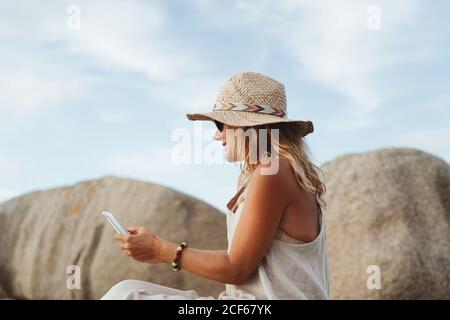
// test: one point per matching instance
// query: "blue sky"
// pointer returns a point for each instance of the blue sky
(105, 98)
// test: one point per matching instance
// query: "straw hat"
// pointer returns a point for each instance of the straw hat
(250, 99)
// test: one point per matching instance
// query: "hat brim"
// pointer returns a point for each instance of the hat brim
(248, 119)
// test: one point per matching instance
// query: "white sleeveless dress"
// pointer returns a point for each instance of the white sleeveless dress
(290, 269)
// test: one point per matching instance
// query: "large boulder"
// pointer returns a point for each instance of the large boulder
(390, 209)
(44, 232)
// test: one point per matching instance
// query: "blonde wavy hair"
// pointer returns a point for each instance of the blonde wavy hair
(291, 145)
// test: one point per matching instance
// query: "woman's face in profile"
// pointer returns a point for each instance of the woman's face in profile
(221, 135)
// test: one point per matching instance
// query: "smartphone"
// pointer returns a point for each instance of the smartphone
(116, 225)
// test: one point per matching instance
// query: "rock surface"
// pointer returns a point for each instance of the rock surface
(389, 208)
(44, 232)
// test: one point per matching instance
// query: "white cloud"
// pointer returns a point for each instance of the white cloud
(133, 37)
(330, 42)
(128, 36)
(194, 94)
(25, 90)
(142, 42)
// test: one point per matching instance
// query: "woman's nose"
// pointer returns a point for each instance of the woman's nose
(218, 135)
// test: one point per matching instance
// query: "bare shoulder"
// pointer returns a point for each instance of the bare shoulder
(278, 169)
(277, 175)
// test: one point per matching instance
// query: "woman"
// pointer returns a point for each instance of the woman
(275, 227)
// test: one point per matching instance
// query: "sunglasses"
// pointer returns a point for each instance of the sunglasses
(219, 125)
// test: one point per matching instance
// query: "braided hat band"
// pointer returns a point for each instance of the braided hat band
(236, 106)
(251, 99)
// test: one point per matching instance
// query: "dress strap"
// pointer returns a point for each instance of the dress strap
(232, 204)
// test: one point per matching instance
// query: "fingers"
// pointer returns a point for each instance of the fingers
(120, 237)
(125, 247)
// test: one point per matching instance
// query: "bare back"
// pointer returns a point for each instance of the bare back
(300, 220)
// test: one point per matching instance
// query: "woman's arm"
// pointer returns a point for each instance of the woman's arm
(144, 246)
(267, 198)
(210, 264)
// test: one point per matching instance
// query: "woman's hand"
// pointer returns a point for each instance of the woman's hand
(141, 244)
